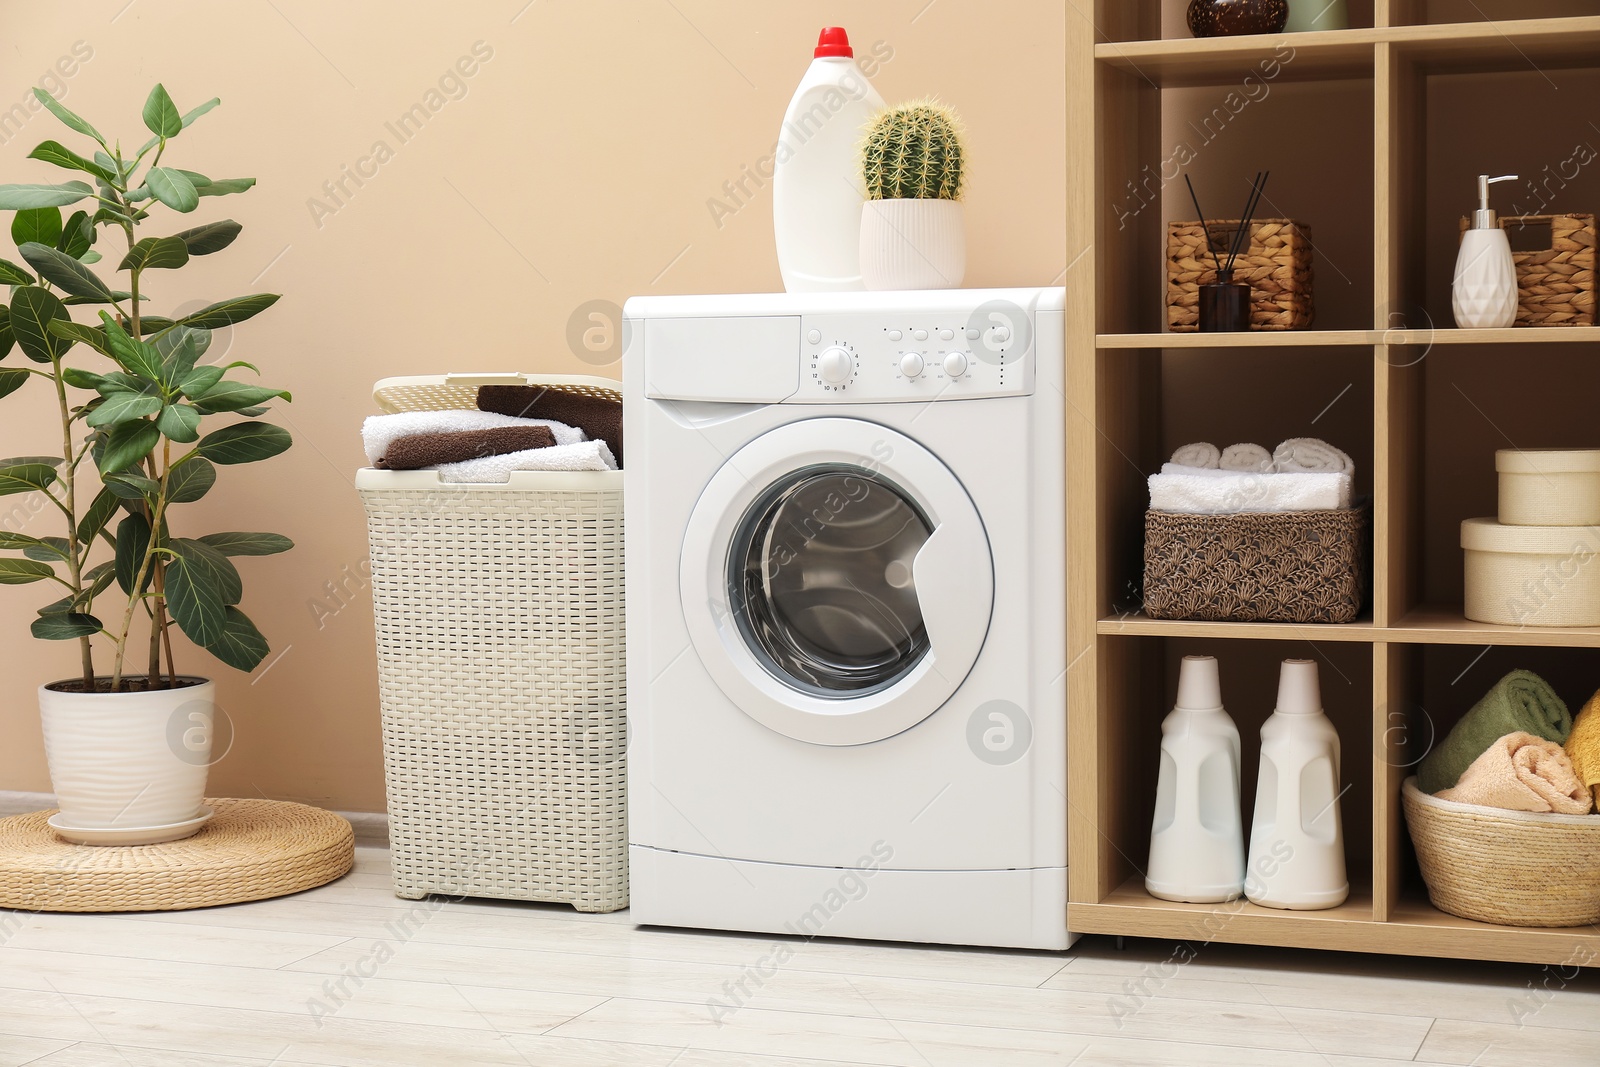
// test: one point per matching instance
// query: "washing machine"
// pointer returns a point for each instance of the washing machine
(846, 602)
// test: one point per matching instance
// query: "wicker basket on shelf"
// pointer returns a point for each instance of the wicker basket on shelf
(1555, 285)
(1294, 566)
(1277, 264)
(1516, 868)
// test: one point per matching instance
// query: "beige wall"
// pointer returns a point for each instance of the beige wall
(578, 166)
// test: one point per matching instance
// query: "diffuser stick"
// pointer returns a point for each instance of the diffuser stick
(1204, 225)
(1244, 221)
(1241, 240)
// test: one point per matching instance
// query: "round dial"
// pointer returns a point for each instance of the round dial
(835, 365)
(955, 364)
(911, 364)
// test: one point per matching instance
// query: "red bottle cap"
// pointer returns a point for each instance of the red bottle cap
(833, 41)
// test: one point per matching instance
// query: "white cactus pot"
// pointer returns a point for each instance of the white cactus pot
(125, 761)
(912, 244)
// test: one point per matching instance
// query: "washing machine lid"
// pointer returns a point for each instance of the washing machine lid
(837, 581)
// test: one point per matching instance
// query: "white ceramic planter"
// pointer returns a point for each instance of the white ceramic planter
(912, 244)
(129, 760)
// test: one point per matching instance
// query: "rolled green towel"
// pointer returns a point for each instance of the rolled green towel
(1520, 701)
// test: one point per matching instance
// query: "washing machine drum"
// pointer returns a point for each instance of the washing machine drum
(837, 581)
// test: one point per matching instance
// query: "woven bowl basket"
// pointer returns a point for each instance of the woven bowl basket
(1277, 264)
(1555, 285)
(1516, 868)
(1294, 566)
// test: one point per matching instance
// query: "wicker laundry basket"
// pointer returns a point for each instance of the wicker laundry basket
(1516, 868)
(1276, 263)
(500, 665)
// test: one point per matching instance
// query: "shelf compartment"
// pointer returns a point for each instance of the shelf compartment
(1512, 45)
(1445, 625)
(1333, 55)
(1139, 625)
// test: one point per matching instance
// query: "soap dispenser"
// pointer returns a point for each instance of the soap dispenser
(1484, 294)
(1197, 836)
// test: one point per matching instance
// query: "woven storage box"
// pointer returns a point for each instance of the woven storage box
(1277, 264)
(1294, 566)
(500, 665)
(1517, 868)
(1549, 486)
(1555, 285)
(1531, 575)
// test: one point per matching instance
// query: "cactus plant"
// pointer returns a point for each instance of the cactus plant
(913, 152)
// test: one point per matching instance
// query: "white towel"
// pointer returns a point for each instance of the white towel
(1246, 457)
(380, 431)
(1309, 455)
(1199, 454)
(583, 456)
(1228, 493)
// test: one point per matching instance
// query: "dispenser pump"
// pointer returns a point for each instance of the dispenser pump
(1484, 218)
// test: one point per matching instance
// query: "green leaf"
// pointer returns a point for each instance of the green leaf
(217, 186)
(131, 485)
(133, 541)
(172, 188)
(236, 396)
(240, 644)
(70, 120)
(90, 256)
(41, 224)
(11, 274)
(19, 540)
(200, 585)
(26, 478)
(47, 549)
(121, 407)
(195, 113)
(138, 358)
(180, 350)
(127, 443)
(117, 381)
(12, 380)
(77, 332)
(58, 267)
(199, 380)
(23, 571)
(81, 379)
(96, 515)
(95, 580)
(212, 237)
(161, 114)
(149, 324)
(62, 156)
(244, 442)
(114, 296)
(24, 196)
(228, 312)
(32, 311)
(168, 252)
(7, 337)
(248, 544)
(179, 422)
(65, 626)
(190, 480)
(76, 236)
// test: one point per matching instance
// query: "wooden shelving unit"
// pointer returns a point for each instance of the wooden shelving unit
(1387, 677)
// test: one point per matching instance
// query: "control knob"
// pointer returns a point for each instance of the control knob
(836, 365)
(911, 364)
(955, 364)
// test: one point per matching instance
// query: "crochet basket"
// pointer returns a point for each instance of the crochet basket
(500, 666)
(1277, 264)
(1516, 868)
(1293, 566)
(1555, 285)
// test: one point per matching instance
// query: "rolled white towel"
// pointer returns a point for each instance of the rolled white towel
(1246, 457)
(1309, 455)
(378, 432)
(1199, 454)
(581, 456)
(1229, 493)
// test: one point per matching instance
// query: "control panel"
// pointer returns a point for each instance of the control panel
(916, 356)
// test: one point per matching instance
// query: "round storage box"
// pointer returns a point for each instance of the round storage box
(1549, 486)
(1532, 575)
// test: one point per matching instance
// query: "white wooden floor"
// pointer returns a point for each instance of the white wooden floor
(340, 976)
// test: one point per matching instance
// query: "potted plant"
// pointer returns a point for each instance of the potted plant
(912, 163)
(129, 749)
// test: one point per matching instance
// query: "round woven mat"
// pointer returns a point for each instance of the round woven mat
(249, 850)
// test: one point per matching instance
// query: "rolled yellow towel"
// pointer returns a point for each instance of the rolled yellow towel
(1583, 746)
(1523, 773)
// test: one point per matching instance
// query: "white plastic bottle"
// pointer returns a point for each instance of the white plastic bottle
(1197, 838)
(816, 190)
(1484, 292)
(1296, 838)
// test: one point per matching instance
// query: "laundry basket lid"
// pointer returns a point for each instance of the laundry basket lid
(453, 392)
(1488, 535)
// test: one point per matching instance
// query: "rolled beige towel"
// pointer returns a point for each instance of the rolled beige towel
(1251, 459)
(1199, 454)
(1310, 455)
(1522, 772)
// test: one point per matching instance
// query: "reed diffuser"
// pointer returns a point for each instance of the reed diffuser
(1225, 303)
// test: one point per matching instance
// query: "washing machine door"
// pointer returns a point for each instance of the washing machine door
(836, 581)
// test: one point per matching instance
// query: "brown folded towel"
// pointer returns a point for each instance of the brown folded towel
(1523, 773)
(430, 449)
(596, 416)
